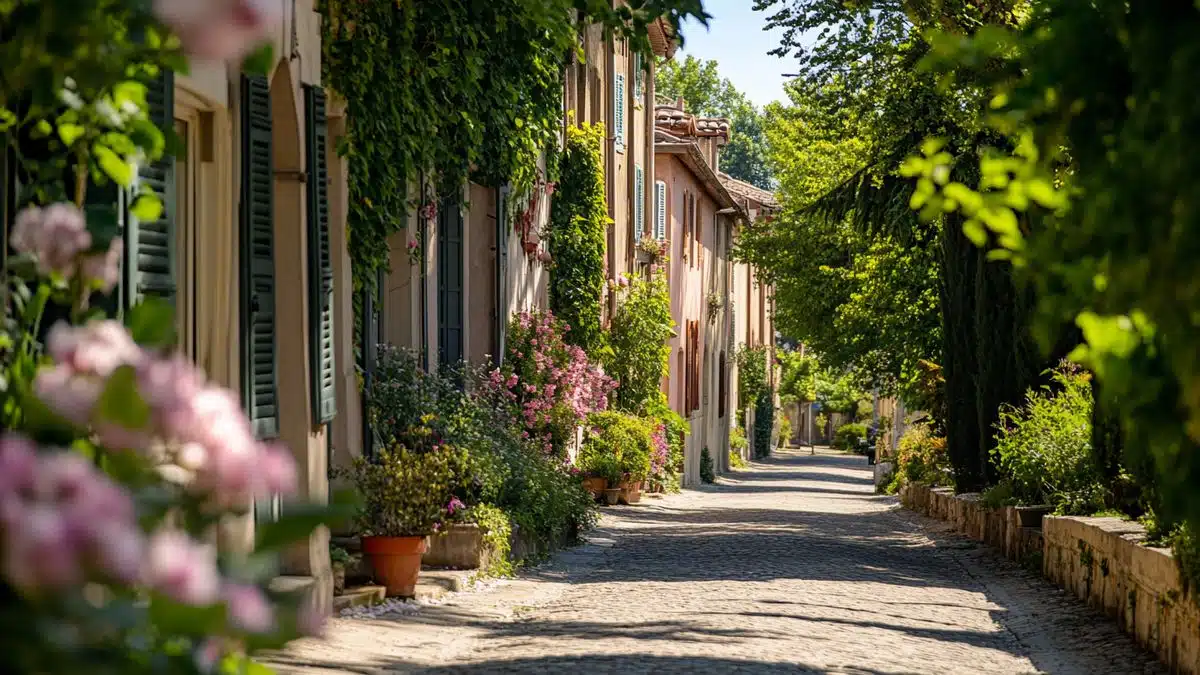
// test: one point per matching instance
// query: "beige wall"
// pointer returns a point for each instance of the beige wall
(479, 278)
(208, 109)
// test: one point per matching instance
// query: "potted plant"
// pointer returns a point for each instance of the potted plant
(341, 559)
(404, 495)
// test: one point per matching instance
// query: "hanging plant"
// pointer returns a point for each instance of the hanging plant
(653, 248)
(414, 252)
(715, 302)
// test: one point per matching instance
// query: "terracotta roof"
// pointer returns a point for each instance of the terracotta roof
(662, 38)
(743, 190)
(673, 118)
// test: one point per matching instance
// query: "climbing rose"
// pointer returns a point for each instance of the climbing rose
(182, 569)
(219, 29)
(54, 236)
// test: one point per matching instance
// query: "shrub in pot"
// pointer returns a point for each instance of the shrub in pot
(628, 441)
(404, 497)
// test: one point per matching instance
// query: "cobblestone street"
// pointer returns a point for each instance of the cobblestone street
(792, 565)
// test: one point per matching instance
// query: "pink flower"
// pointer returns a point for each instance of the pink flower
(73, 398)
(96, 348)
(412, 244)
(182, 569)
(278, 470)
(54, 236)
(42, 554)
(454, 505)
(219, 29)
(104, 269)
(248, 608)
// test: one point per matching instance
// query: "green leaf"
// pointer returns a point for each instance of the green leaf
(151, 322)
(147, 207)
(1044, 194)
(120, 401)
(69, 132)
(113, 166)
(975, 232)
(299, 520)
(175, 618)
(259, 61)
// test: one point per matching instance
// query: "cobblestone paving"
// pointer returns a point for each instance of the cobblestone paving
(792, 565)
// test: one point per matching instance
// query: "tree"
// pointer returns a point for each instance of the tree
(864, 71)
(864, 303)
(705, 93)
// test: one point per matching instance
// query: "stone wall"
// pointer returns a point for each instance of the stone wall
(1100, 560)
(1104, 563)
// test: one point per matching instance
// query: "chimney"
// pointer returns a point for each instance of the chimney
(680, 103)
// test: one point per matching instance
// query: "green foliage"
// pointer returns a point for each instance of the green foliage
(676, 429)
(848, 436)
(764, 423)
(735, 458)
(705, 93)
(922, 458)
(578, 236)
(441, 90)
(617, 442)
(1088, 175)
(707, 475)
(638, 336)
(497, 537)
(737, 439)
(797, 383)
(752, 373)
(838, 392)
(405, 492)
(1043, 447)
(785, 431)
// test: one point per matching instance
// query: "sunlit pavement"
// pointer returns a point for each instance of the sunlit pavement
(791, 565)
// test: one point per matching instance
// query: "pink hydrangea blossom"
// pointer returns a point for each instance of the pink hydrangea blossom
(219, 29)
(54, 235)
(182, 569)
(248, 608)
(104, 269)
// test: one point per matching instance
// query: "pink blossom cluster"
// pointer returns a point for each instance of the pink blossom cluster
(660, 452)
(219, 29)
(57, 238)
(65, 523)
(554, 385)
(192, 426)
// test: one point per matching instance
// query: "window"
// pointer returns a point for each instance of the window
(639, 202)
(639, 77)
(619, 112)
(721, 385)
(660, 210)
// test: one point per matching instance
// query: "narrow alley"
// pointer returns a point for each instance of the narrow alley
(792, 565)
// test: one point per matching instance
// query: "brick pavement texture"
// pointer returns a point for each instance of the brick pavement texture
(791, 565)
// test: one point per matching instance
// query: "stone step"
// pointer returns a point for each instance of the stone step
(359, 596)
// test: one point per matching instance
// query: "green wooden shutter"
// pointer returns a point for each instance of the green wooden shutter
(450, 283)
(639, 202)
(320, 267)
(503, 195)
(660, 210)
(619, 111)
(259, 378)
(150, 245)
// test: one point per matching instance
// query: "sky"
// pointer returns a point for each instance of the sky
(736, 41)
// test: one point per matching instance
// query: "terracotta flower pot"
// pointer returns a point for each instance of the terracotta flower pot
(595, 485)
(396, 561)
(612, 496)
(631, 492)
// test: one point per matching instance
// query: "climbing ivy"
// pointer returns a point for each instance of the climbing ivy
(752, 373)
(440, 91)
(638, 336)
(578, 234)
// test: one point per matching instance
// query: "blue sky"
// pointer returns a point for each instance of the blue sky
(736, 41)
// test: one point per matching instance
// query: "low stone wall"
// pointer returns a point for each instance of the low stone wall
(1100, 560)
(1103, 562)
(1014, 530)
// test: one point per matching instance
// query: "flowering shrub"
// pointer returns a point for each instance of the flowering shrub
(408, 492)
(553, 385)
(922, 458)
(674, 430)
(617, 436)
(119, 461)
